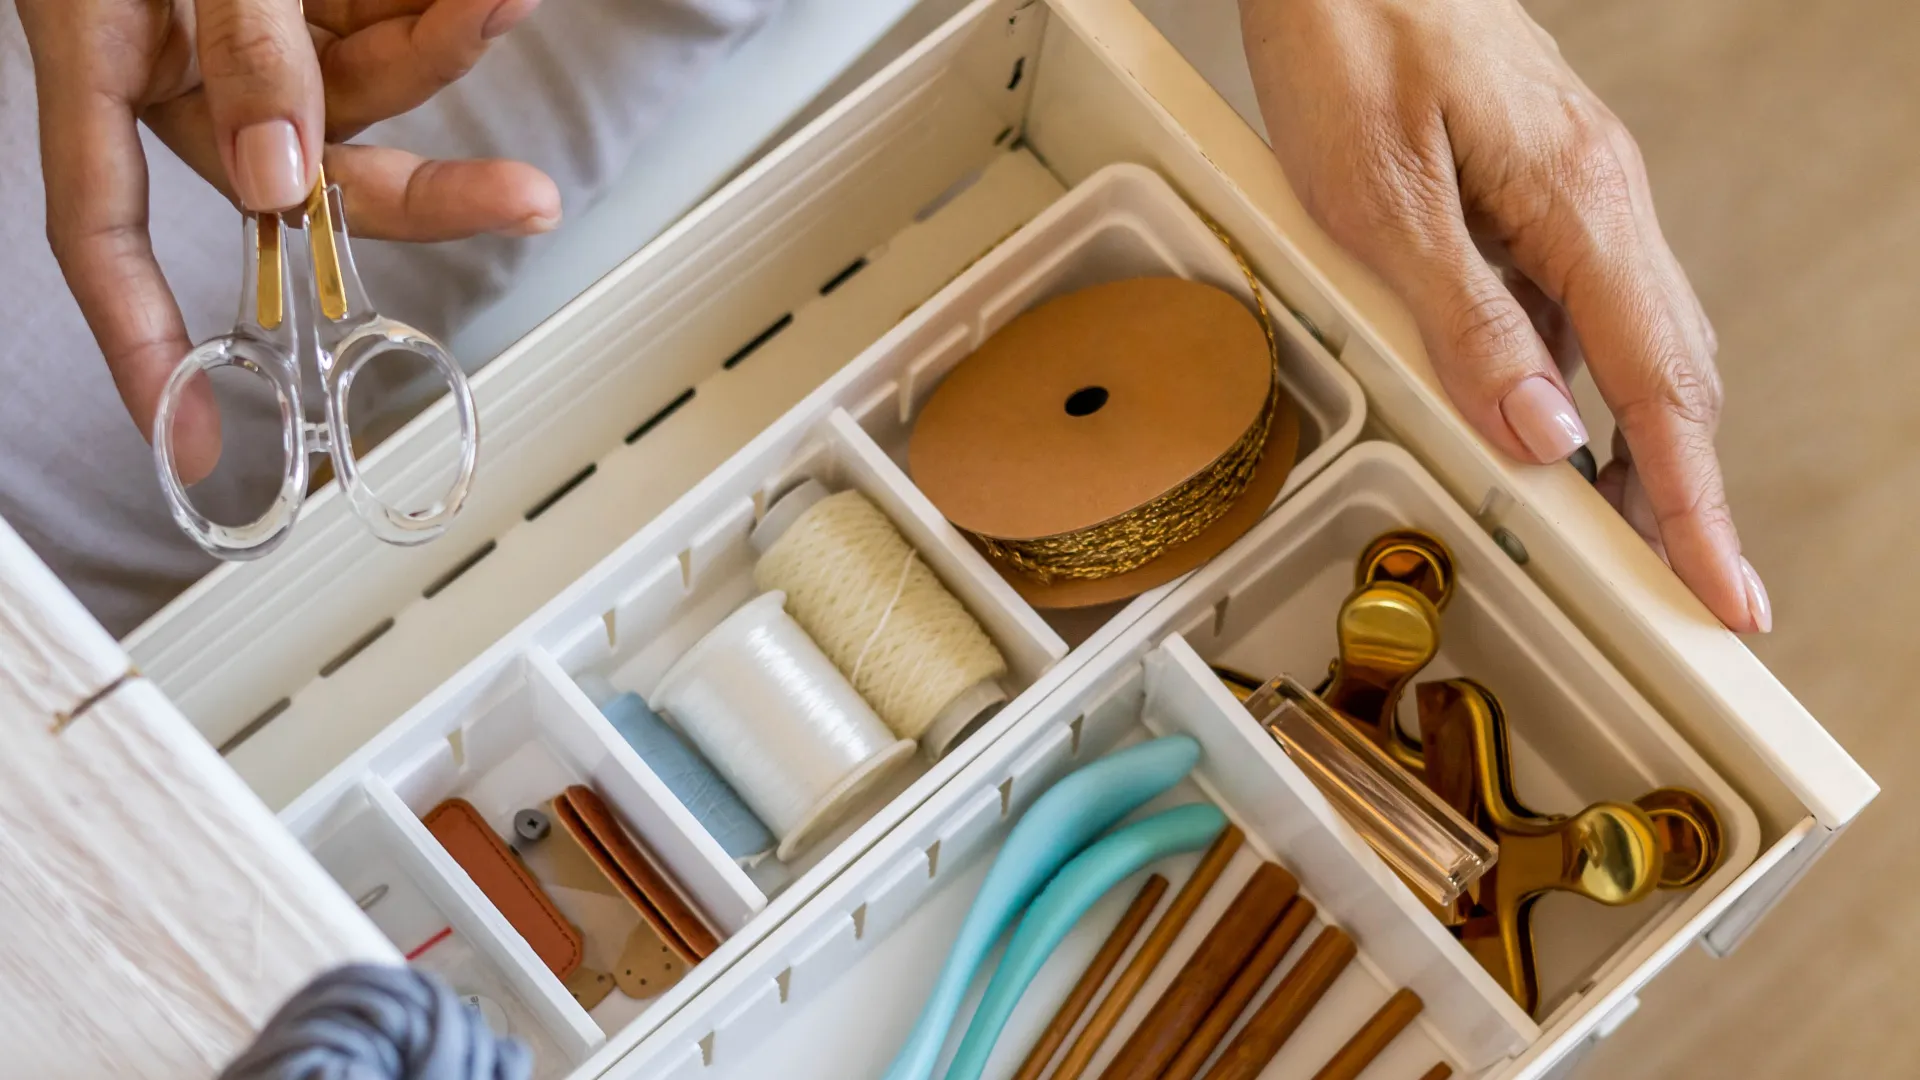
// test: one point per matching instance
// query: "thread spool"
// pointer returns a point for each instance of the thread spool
(875, 608)
(1111, 439)
(779, 722)
(691, 779)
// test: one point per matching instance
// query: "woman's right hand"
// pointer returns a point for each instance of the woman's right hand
(254, 96)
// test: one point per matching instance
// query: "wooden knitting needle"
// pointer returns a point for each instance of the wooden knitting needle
(1439, 1072)
(1245, 985)
(1152, 951)
(1096, 974)
(1277, 1018)
(1367, 1043)
(1205, 976)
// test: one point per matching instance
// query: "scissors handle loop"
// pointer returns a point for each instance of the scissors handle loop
(372, 339)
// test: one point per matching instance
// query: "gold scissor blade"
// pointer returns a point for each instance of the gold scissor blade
(267, 285)
(327, 280)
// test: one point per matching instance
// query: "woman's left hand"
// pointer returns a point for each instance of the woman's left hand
(1448, 146)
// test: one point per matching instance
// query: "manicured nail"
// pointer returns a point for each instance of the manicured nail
(1758, 605)
(1544, 419)
(269, 168)
(505, 17)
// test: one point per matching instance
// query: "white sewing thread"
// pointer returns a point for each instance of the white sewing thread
(834, 564)
(779, 721)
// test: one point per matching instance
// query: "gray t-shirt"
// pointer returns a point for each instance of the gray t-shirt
(574, 90)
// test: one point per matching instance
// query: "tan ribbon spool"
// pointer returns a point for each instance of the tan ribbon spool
(1090, 407)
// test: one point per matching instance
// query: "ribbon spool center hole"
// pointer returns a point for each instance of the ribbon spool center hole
(1086, 401)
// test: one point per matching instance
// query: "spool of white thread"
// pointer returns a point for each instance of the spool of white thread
(779, 721)
(878, 611)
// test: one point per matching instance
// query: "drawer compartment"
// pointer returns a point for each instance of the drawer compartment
(516, 727)
(375, 849)
(1580, 734)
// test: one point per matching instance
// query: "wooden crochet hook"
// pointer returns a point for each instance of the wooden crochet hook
(1206, 1038)
(1366, 1044)
(1152, 951)
(1275, 1021)
(1205, 976)
(1438, 1072)
(1608, 852)
(1092, 979)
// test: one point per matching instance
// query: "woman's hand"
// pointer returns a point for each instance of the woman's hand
(1448, 146)
(253, 96)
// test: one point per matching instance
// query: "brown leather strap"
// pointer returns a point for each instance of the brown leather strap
(500, 875)
(582, 813)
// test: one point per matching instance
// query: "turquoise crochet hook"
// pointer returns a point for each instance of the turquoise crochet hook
(1061, 822)
(1083, 881)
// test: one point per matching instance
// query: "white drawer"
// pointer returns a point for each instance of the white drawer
(632, 439)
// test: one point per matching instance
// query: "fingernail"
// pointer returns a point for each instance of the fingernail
(1544, 419)
(269, 169)
(1758, 605)
(532, 225)
(505, 17)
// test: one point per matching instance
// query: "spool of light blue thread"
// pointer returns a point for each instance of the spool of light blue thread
(685, 773)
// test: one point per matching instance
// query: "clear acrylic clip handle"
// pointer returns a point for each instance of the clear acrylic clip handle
(352, 335)
(261, 343)
(1434, 849)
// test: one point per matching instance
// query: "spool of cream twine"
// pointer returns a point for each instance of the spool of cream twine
(876, 609)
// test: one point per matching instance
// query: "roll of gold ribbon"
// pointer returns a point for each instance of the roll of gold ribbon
(1112, 438)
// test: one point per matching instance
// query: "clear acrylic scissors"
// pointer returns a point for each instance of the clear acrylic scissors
(267, 341)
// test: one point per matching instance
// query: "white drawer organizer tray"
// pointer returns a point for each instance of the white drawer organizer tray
(608, 531)
(513, 728)
(835, 990)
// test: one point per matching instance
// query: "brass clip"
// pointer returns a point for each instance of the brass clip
(1388, 630)
(1414, 559)
(1387, 633)
(1690, 835)
(1609, 852)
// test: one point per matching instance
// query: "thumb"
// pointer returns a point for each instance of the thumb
(265, 96)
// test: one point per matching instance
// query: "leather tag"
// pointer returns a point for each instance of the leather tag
(620, 949)
(581, 813)
(647, 967)
(589, 987)
(499, 874)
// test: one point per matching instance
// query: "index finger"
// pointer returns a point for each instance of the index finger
(96, 185)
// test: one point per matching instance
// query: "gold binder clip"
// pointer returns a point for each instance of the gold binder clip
(1388, 630)
(1415, 559)
(1690, 835)
(1609, 852)
(1387, 633)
